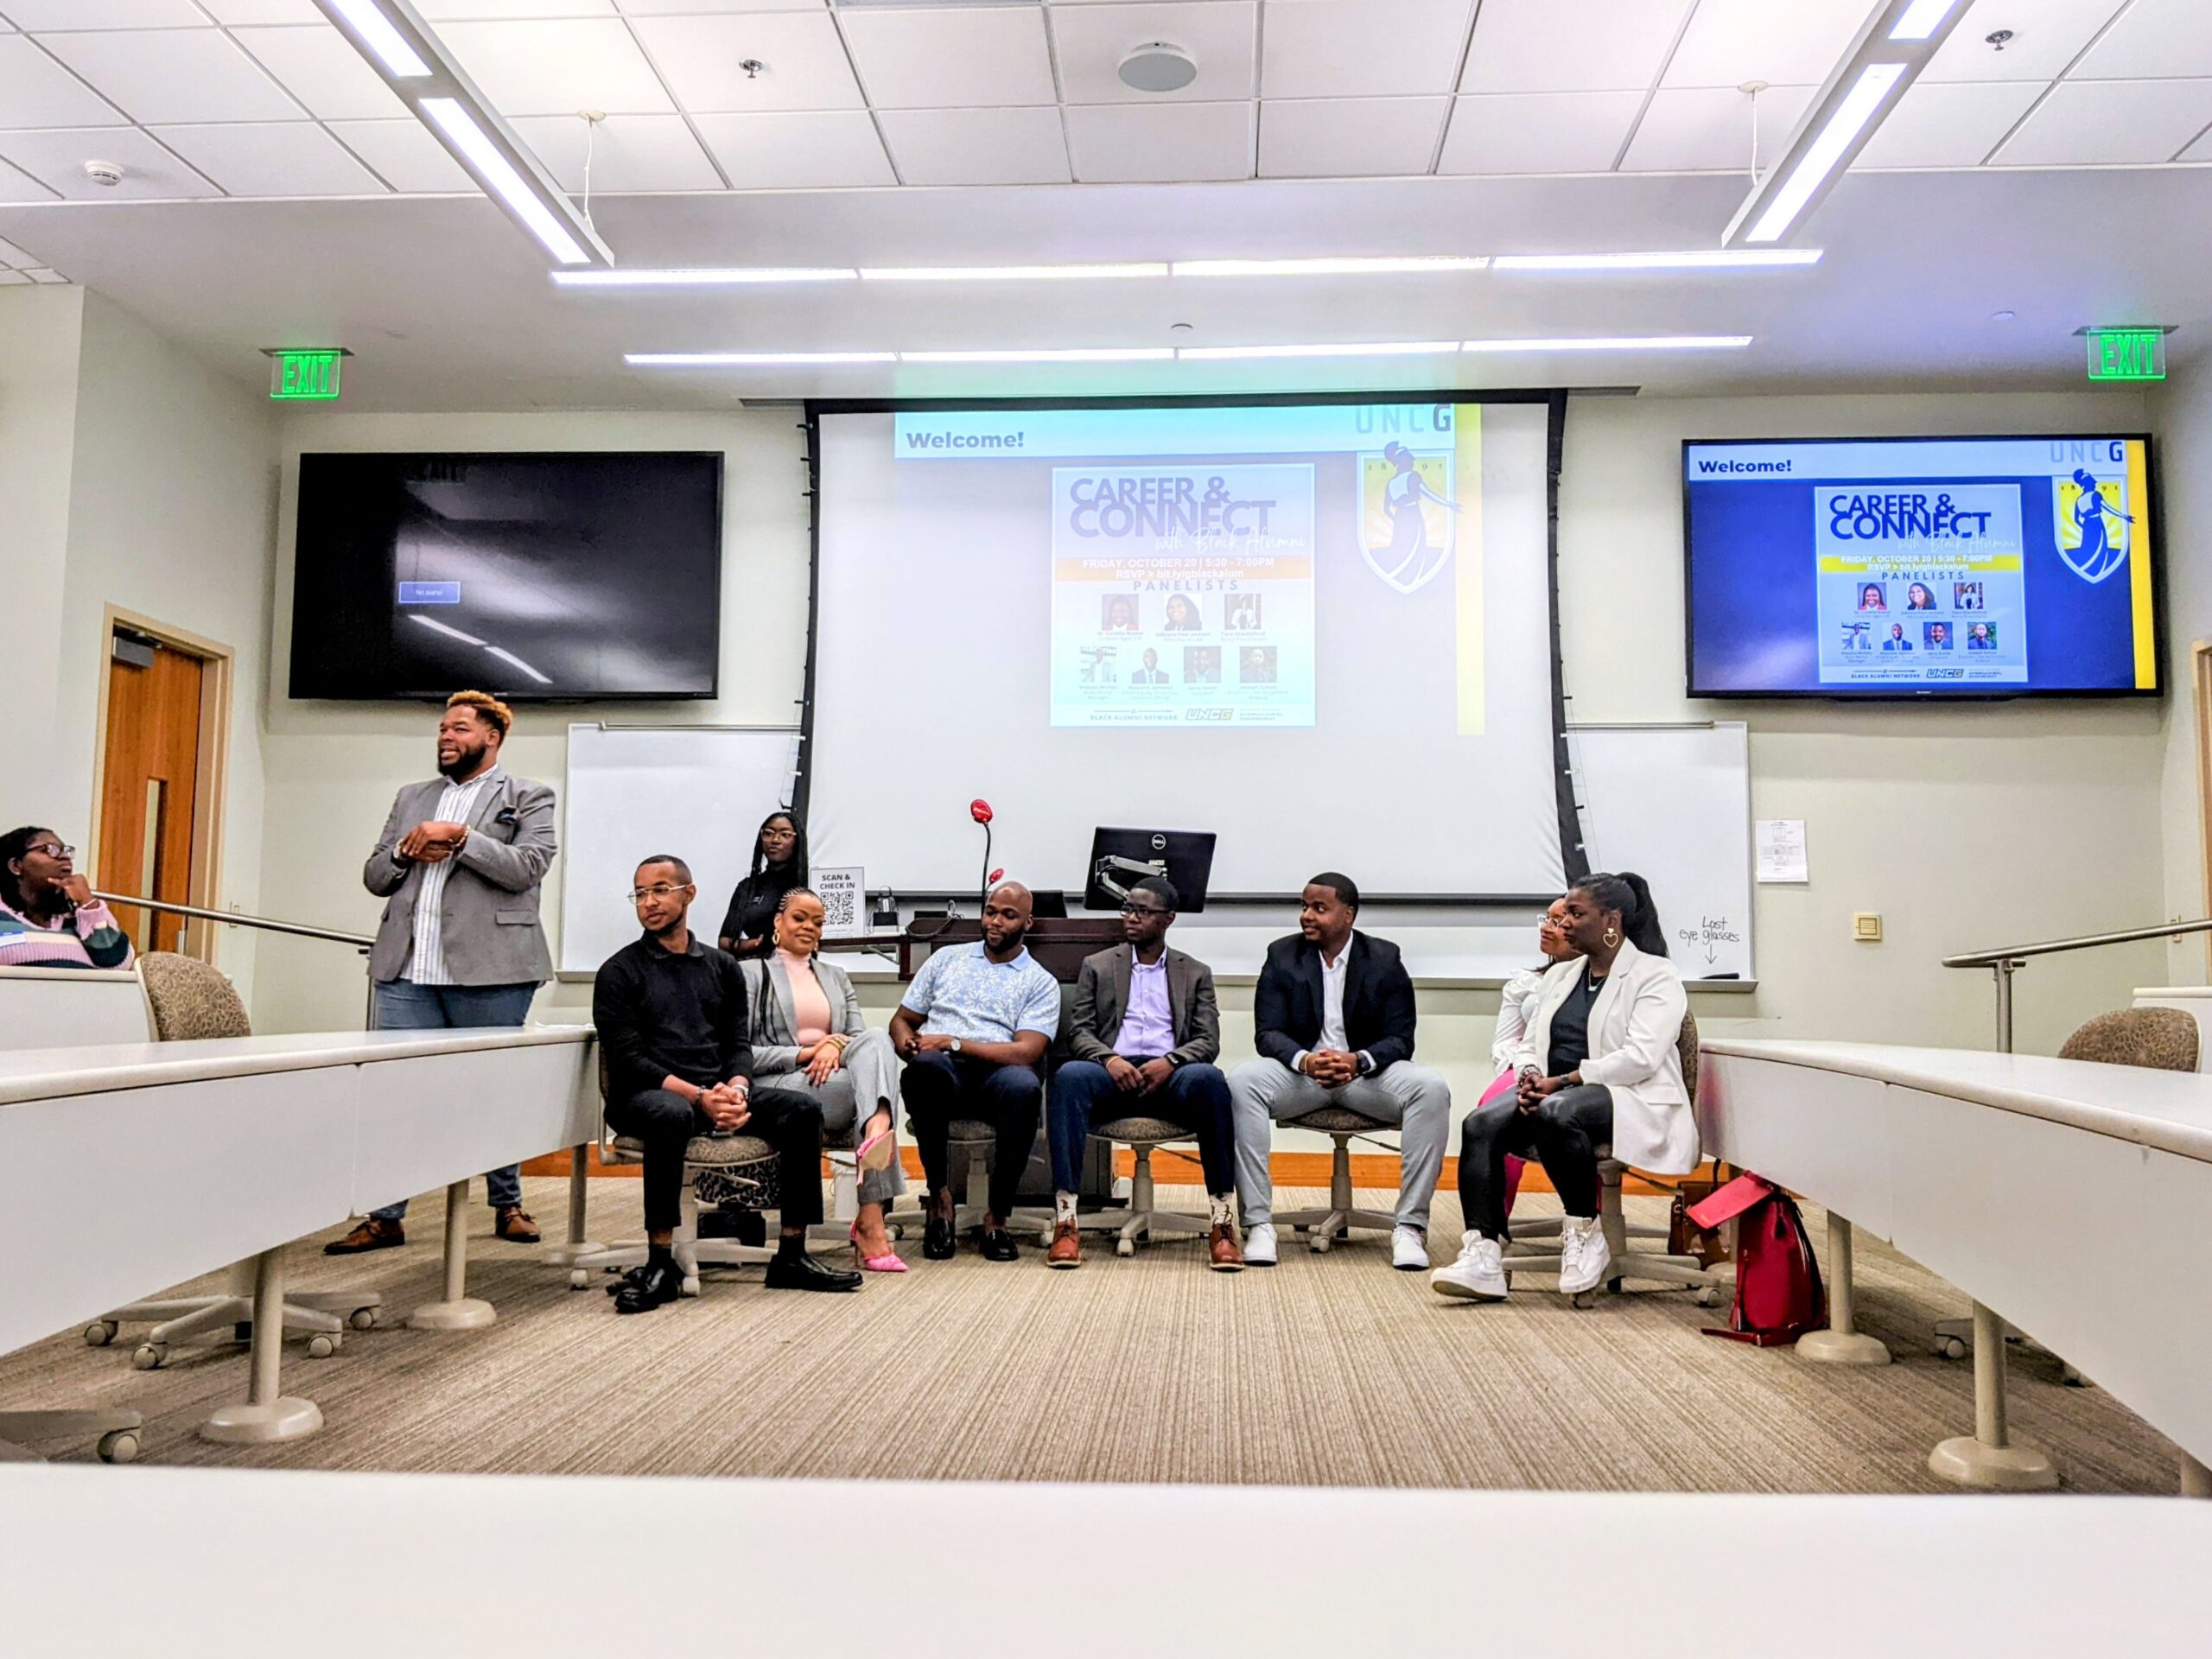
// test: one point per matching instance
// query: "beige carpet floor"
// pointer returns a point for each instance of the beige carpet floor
(1331, 1371)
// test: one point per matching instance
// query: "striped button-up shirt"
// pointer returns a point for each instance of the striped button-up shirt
(426, 963)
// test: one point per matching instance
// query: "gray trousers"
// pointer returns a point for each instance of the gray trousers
(1265, 1092)
(870, 1073)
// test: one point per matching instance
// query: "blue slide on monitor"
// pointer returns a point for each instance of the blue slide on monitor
(1921, 567)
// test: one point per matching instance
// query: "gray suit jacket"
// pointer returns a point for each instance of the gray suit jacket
(491, 930)
(1102, 997)
(775, 1027)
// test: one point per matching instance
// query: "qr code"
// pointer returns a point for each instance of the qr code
(842, 895)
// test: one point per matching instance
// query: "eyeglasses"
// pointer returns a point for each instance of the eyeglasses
(1143, 910)
(658, 890)
(52, 850)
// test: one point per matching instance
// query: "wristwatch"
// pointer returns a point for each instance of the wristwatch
(956, 1045)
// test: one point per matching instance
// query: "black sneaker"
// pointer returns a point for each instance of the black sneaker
(660, 1283)
(797, 1270)
(998, 1245)
(938, 1240)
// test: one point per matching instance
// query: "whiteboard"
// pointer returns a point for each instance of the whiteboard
(697, 791)
(1674, 804)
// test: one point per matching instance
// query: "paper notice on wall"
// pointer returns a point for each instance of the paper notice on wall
(1780, 850)
(844, 906)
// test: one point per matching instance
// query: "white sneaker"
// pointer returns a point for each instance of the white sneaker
(1478, 1274)
(1583, 1256)
(1408, 1249)
(1260, 1245)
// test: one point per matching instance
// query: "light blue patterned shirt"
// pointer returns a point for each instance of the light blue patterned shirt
(960, 992)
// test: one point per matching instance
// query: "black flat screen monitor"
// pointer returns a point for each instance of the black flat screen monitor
(1119, 857)
(534, 576)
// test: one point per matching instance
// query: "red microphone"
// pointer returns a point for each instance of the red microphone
(980, 810)
(997, 876)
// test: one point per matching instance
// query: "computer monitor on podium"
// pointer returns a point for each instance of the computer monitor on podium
(1120, 858)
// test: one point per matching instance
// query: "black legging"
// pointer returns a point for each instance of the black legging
(1564, 1131)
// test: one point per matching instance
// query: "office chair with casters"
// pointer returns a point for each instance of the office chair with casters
(1324, 1227)
(970, 1145)
(191, 1000)
(1140, 1220)
(1682, 1271)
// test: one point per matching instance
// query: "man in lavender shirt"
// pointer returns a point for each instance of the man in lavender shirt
(1143, 1035)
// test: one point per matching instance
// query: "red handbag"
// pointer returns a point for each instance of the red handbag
(1779, 1296)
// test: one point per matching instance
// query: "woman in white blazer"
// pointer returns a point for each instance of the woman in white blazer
(1517, 1004)
(1598, 1064)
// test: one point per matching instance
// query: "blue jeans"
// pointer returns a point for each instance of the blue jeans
(402, 1005)
(1196, 1096)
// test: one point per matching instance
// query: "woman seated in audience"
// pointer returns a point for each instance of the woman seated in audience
(48, 918)
(779, 865)
(808, 1036)
(1597, 1065)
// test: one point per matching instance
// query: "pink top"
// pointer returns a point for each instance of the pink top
(809, 1002)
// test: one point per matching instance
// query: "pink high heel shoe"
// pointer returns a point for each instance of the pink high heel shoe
(887, 1263)
(877, 1151)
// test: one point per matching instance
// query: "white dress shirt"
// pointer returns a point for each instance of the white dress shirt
(426, 960)
(1333, 1012)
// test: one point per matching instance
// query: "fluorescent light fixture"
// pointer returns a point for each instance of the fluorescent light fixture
(513, 661)
(1692, 259)
(747, 360)
(733, 277)
(1082, 354)
(1892, 47)
(1383, 266)
(1619, 343)
(440, 627)
(1007, 273)
(373, 30)
(1387, 348)
(1921, 18)
(498, 175)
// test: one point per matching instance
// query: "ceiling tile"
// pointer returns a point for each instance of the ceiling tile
(409, 159)
(262, 11)
(2047, 35)
(58, 158)
(2156, 39)
(1541, 45)
(175, 74)
(1709, 129)
(557, 69)
(10, 278)
(807, 68)
(37, 14)
(1090, 42)
(319, 66)
(1349, 137)
(1538, 132)
(1360, 48)
(629, 153)
(12, 254)
(2091, 123)
(977, 146)
(1785, 42)
(1948, 125)
(36, 92)
(936, 59)
(797, 149)
(1170, 143)
(272, 158)
(665, 8)
(452, 11)
(16, 186)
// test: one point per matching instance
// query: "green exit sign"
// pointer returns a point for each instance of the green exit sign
(298, 377)
(2127, 353)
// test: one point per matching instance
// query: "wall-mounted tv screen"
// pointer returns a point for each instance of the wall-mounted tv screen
(1921, 567)
(534, 577)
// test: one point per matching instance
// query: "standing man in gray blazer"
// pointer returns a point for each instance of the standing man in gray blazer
(1143, 1035)
(458, 864)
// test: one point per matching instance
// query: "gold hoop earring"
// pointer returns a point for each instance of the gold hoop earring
(1612, 938)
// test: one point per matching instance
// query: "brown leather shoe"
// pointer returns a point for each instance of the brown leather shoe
(1067, 1246)
(371, 1235)
(1221, 1247)
(513, 1224)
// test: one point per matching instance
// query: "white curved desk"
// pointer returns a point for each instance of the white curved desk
(2074, 1199)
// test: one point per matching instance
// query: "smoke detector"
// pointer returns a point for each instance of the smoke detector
(1157, 66)
(108, 173)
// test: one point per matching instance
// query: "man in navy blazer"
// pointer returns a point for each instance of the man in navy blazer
(1333, 1019)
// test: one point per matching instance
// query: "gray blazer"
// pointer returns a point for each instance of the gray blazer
(491, 930)
(1102, 998)
(775, 1027)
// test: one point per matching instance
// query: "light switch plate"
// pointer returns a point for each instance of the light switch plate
(1866, 927)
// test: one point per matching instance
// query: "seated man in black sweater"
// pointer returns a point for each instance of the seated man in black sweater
(671, 1014)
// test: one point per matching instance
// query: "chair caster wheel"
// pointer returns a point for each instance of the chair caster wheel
(118, 1446)
(897, 1230)
(1584, 1298)
(1125, 1246)
(1044, 1238)
(1708, 1296)
(578, 1279)
(362, 1318)
(100, 1333)
(1300, 1227)
(1320, 1243)
(322, 1344)
(1952, 1348)
(691, 1284)
(149, 1356)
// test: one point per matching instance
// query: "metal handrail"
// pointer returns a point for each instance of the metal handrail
(2003, 963)
(360, 941)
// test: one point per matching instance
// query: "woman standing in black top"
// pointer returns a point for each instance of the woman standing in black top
(779, 865)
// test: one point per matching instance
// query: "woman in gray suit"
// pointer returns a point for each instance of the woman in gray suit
(808, 1036)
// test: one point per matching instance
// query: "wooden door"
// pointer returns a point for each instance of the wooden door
(149, 782)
